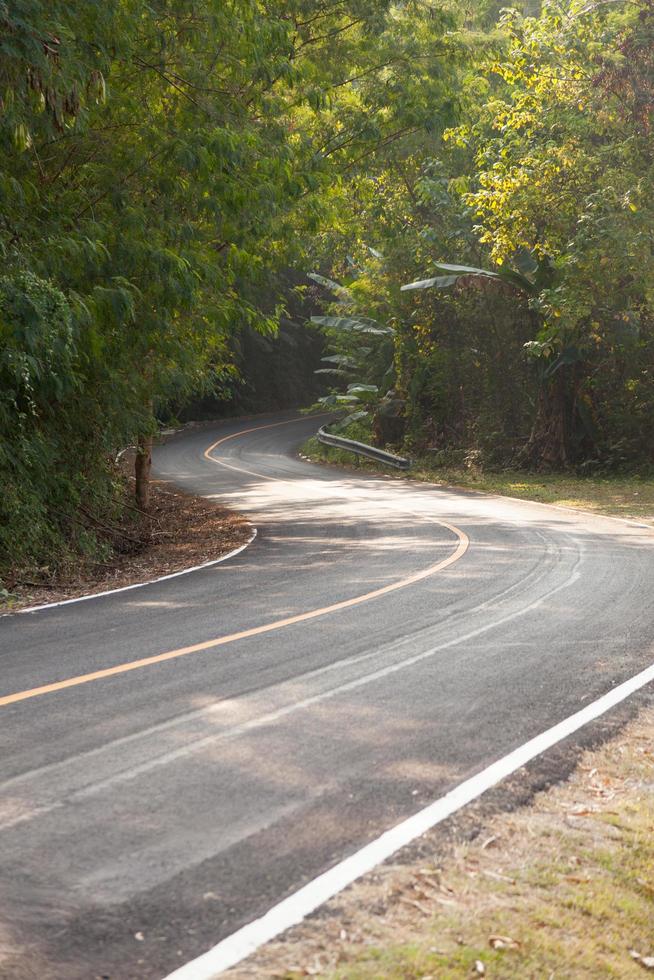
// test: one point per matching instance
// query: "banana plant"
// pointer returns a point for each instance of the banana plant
(530, 276)
(354, 324)
(359, 396)
(343, 365)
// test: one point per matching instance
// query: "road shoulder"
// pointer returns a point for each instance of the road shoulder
(559, 887)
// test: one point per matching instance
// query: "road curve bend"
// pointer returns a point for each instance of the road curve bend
(180, 757)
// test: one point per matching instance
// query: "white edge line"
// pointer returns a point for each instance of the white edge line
(137, 585)
(292, 910)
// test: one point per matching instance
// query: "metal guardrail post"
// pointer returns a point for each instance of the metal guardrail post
(361, 449)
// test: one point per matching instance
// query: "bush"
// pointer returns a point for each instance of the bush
(54, 465)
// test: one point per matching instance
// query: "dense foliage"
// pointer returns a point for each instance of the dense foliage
(169, 167)
(539, 350)
(162, 165)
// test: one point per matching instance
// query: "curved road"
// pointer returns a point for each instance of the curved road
(378, 643)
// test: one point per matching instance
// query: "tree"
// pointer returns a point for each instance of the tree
(563, 170)
(164, 161)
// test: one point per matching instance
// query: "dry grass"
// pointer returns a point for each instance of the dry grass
(562, 888)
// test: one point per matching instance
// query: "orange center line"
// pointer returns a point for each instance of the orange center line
(96, 675)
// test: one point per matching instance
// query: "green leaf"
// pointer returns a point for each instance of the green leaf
(341, 359)
(357, 389)
(455, 272)
(464, 270)
(353, 325)
(342, 292)
(349, 419)
(439, 281)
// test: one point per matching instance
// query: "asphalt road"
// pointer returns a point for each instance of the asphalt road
(147, 814)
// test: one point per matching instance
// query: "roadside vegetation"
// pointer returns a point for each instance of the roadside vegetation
(165, 170)
(178, 532)
(504, 289)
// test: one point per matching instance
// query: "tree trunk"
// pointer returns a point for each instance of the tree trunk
(142, 466)
(549, 444)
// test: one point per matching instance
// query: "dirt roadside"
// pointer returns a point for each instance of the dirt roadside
(179, 531)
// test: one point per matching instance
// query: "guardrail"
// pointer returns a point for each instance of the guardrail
(361, 449)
